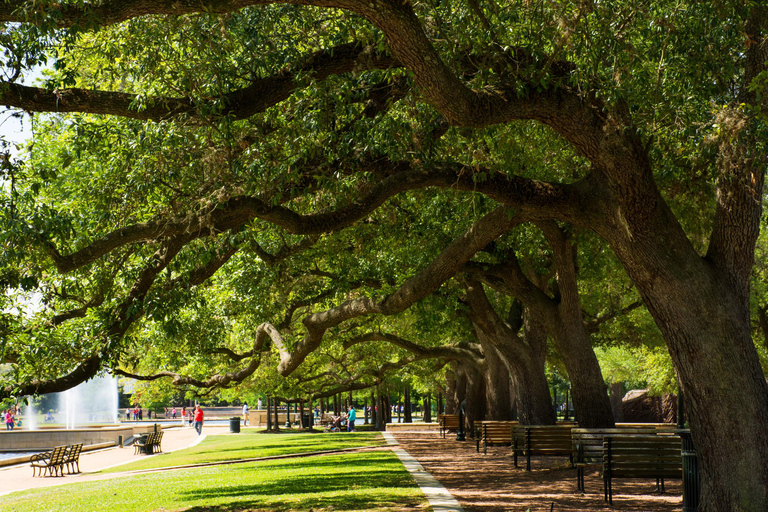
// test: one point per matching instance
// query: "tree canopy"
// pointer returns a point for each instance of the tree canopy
(248, 178)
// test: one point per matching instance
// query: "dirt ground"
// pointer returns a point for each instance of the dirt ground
(491, 483)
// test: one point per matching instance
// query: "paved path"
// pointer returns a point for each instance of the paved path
(19, 477)
(438, 496)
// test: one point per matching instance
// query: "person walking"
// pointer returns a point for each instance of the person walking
(245, 413)
(351, 417)
(9, 421)
(198, 419)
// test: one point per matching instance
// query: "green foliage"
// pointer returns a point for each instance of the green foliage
(668, 65)
(639, 368)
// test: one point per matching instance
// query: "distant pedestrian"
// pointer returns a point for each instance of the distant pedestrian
(351, 417)
(258, 404)
(183, 416)
(141, 414)
(173, 413)
(9, 421)
(198, 419)
(245, 413)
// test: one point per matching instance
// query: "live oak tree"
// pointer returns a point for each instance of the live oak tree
(662, 105)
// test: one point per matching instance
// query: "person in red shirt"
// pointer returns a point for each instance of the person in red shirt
(198, 419)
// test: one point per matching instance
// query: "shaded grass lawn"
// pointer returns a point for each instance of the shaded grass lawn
(248, 445)
(352, 481)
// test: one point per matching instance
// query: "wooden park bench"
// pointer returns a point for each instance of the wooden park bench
(588, 445)
(144, 443)
(541, 440)
(641, 456)
(51, 462)
(155, 446)
(494, 433)
(448, 423)
(72, 457)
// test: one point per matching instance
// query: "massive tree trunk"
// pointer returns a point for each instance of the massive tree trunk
(408, 415)
(706, 325)
(451, 393)
(524, 354)
(474, 408)
(564, 321)
(499, 402)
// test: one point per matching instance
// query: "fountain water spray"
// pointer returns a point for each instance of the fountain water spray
(94, 401)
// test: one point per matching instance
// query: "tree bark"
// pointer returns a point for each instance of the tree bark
(499, 403)
(276, 424)
(407, 399)
(524, 354)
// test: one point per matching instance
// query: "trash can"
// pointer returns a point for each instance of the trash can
(691, 482)
(234, 425)
(307, 420)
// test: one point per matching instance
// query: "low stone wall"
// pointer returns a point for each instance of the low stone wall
(46, 439)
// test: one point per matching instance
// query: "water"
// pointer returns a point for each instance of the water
(30, 416)
(94, 401)
(13, 455)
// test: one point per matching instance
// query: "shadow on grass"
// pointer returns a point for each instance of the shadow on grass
(333, 484)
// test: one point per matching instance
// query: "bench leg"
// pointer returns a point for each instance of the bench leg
(610, 492)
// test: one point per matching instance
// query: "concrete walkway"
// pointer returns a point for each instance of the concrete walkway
(438, 496)
(19, 477)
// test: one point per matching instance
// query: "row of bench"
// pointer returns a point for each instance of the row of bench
(55, 461)
(633, 451)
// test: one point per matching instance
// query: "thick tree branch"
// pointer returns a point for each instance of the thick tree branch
(592, 326)
(259, 95)
(446, 352)
(417, 287)
(124, 316)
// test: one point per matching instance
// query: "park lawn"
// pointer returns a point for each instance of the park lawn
(353, 482)
(253, 444)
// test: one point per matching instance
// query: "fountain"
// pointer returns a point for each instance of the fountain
(92, 402)
(89, 412)
(30, 416)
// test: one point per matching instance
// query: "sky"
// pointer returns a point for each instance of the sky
(17, 129)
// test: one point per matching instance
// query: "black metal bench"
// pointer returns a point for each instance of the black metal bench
(641, 456)
(541, 440)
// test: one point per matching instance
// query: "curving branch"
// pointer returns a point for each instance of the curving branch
(221, 380)
(259, 95)
(445, 266)
(593, 325)
(124, 316)
(537, 199)
(471, 355)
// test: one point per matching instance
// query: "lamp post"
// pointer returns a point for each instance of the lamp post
(460, 431)
(287, 414)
